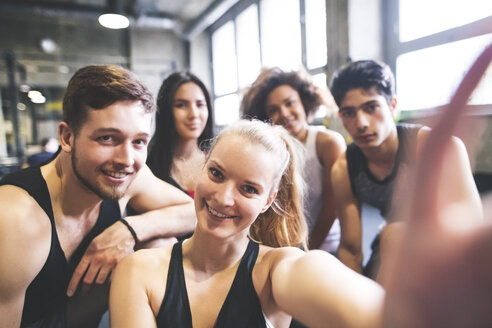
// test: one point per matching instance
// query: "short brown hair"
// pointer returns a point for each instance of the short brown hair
(99, 86)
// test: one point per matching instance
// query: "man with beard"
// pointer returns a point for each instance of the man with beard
(61, 228)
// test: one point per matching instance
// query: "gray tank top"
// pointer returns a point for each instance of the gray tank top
(365, 186)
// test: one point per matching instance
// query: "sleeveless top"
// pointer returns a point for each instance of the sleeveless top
(314, 195)
(365, 186)
(45, 299)
(241, 308)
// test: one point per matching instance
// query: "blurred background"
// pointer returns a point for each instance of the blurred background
(429, 44)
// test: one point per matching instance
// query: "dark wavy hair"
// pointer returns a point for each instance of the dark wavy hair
(99, 86)
(253, 104)
(163, 143)
(363, 74)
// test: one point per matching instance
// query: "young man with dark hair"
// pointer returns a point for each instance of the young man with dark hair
(381, 149)
(61, 225)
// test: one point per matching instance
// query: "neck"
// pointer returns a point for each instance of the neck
(385, 152)
(68, 195)
(186, 148)
(302, 134)
(209, 254)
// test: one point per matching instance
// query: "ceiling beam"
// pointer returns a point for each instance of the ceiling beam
(207, 18)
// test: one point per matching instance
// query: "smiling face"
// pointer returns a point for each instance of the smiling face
(367, 117)
(110, 148)
(284, 107)
(190, 111)
(235, 187)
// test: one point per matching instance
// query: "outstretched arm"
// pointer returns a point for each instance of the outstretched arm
(167, 212)
(348, 208)
(319, 291)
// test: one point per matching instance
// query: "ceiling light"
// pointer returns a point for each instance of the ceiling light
(48, 45)
(114, 18)
(114, 21)
(24, 87)
(36, 97)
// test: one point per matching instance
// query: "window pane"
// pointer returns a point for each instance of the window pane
(428, 78)
(281, 33)
(224, 59)
(248, 46)
(320, 81)
(226, 109)
(316, 33)
(419, 18)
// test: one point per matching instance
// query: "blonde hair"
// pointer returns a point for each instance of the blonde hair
(283, 223)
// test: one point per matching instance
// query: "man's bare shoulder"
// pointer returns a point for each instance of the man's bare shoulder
(18, 208)
(25, 238)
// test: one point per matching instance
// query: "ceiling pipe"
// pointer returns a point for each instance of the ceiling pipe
(77, 11)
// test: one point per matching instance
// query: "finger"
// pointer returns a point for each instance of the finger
(103, 274)
(77, 275)
(91, 273)
(433, 149)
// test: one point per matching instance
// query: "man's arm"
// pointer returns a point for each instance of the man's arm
(24, 246)
(348, 208)
(166, 212)
(329, 146)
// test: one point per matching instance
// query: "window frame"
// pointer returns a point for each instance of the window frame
(232, 14)
(393, 47)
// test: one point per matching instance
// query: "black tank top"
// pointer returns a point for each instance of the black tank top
(45, 300)
(241, 308)
(365, 186)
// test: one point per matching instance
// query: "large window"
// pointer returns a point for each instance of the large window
(432, 45)
(265, 33)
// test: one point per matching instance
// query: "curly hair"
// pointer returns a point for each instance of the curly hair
(253, 104)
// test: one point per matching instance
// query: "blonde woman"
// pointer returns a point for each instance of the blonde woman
(237, 269)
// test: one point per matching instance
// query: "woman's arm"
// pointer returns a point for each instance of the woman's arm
(320, 291)
(329, 146)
